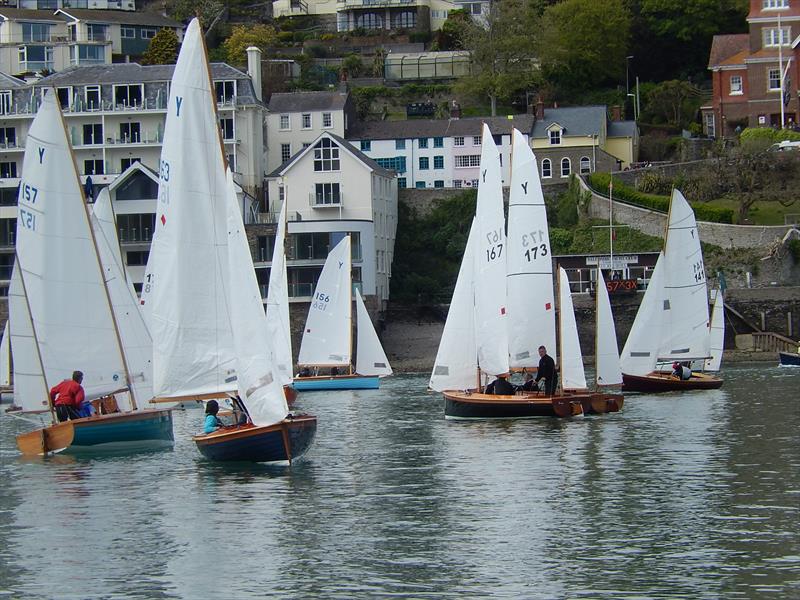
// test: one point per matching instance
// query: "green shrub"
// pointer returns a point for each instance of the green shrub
(793, 246)
(285, 37)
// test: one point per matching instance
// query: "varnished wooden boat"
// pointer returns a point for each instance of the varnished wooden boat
(599, 403)
(279, 443)
(337, 382)
(473, 405)
(290, 394)
(664, 381)
(134, 431)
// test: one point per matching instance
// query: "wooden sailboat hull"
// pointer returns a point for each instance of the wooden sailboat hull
(290, 393)
(279, 443)
(136, 431)
(467, 405)
(663, 381)
(337, 382)
(789, 359)
(600, 403)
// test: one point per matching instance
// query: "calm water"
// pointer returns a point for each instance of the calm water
(693, 496)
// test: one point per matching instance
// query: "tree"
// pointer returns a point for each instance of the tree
(207, 10)
(244, 36)
(673, 102)
(454, 30)
(502, 53)
(584, 44)
(163, 48)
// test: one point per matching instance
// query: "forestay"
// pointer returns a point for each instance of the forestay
(30, 389)
(5, 357)
(456, 364)
(370, 357)
(571, 365)
(258, 386)
(188, 286)
(491, 328)
(327, 336)
(57, 258)
(278, 306)
(606, 349)
(717, 336)
(685, 298)
(531, 314)
(639, 354)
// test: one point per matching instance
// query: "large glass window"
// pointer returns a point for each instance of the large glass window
(93, 167)
(8, 231)
(92, 93)
(36, 58)
(137, 187)
(265, 246)
(136, 228)
(130, 133)
(92, 134)
(96, 32)
(395, 163)
(774, 37)
(8, 137)
(128, 95)
(90, 54)
(35, 32)
(226, 126)
(226, 91)
(468, 160)
(370, 20)
(8, 170)
(404, 20)
(327, 193)
(326, 155)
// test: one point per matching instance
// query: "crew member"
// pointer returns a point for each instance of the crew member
(500, 386)
(212, 422)
(67, 397)
(546, 371)
(681, 372)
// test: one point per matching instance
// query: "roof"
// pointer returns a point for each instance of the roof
(130, 73)
(136, 167)
(422, 128)
(24, 14)
(8, 81)
(576, 120)
(622, 129)
(345, 145)
(306, 101)
(119, 16)
(723, 47)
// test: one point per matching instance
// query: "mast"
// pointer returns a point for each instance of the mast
(560, 329)
(350, 302)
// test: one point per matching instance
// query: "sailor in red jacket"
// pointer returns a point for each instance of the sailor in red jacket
(68, 396)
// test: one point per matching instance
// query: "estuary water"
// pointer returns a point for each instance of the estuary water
(693, 495)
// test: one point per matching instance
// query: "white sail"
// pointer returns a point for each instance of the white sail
(685, 320)
(717, 342)
(58, 263)
(30, 389)
(192, 340)
(606, 349)
(259, 388)
(370, 357)
(639, 354)
(5, 358)
(326, 338)
(531, 307)
(490, 263)
(571, 365)
(278, 306)
(137, 345)
(455, 367)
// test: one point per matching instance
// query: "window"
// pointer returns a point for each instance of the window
(736, 85)
(327, 120)
(128, 95)
(774, 37)
(281, 194)
(226, 127)
(8, 169)
(366, 145)
(226, 91)
(370, 20)
(137, 258)
(773, 4)
(130, 133)
(547, 169)
(136, 227)
(6, 101)
(424, 163)
(125, 163)
(127, 33)
(420, 185)
(96, 32)
(458, 141)
(326, 155)
(148, 33)
(306, 145)
(305, 120)
(265, 246)
(566, 167)
(93, 167)
(476, 140)
(401, 183)
(36, 58)
(92, 133)
(327, 193)
(92, 95)
(710, 125)
(8, 137)
(395, 163)
(285, 123)
(399, 144)
(35, 32)
(64, 95)
(438, 183)
(438, 162)
(422, 143)
(586, 165)
(138, 186)
(475, 8)
(404, 20)
(457, 183)
(774, 79)
(438, 142)
(231, 158)
(286, 152)
(555, 137)
(474, 183)
(469, 160)
(87, 54)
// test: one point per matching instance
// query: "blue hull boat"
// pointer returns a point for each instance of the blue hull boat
(279, 443)
(789, 359)
(136, 431)
(337, 382)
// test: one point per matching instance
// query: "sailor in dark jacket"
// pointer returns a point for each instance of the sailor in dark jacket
(546, 371)
(500, 386)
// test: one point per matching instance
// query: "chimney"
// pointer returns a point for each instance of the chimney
(254, 69)
(616, 113)
(539, 110)
(455, 110)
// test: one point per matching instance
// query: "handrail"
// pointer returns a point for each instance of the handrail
(768, 341)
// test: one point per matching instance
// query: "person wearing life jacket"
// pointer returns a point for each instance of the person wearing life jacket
(67, 397)
(212, 422)
(681, 372)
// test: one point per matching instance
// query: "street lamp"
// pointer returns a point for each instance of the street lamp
(627, 79)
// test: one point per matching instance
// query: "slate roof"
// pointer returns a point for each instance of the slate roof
(306, 101)
(723, 47)
(119, 16)
(419, 128)
(24, 14)
(8, 82)
(576, 120)
(622, 129)
(130, 73)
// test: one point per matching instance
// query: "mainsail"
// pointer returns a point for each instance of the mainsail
(639, 353)
(717, 335)
(531, 313)
(370, 357)
(606, 350)
(278, 306)
(327, 336)
(571, 366)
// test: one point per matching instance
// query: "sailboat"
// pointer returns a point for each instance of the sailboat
(490, 331)
(672, 323)
(5, 361)
(328, 335)
(61, 312)
(206, 317)
(717, 334)
(608, 372)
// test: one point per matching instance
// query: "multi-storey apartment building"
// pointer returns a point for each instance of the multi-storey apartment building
(748, 71)
(43, 41)
(54, 4)
(332, 189)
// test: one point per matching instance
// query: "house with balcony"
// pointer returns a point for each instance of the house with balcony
(756, 76)
(56, 4)
(332, 190)
(34, 41)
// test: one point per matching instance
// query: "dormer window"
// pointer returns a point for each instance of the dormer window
(555, 137)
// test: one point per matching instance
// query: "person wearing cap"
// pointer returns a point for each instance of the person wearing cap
(212, 422)
(681, 372)
(500, 386)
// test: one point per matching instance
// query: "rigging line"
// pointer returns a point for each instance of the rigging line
(531, 273)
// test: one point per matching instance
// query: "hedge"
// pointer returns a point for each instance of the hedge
(703, 212)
